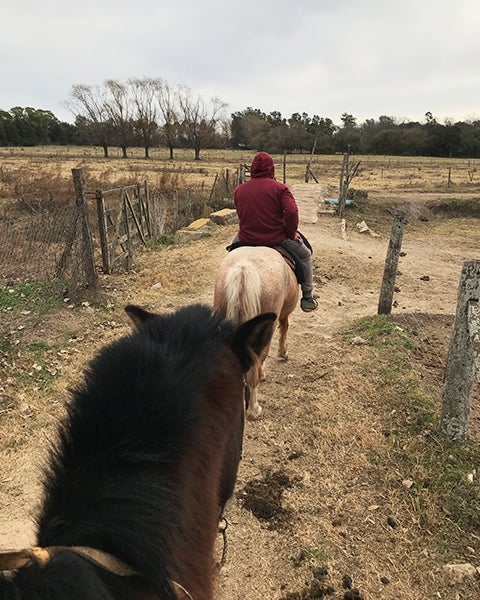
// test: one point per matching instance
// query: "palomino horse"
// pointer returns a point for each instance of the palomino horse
(143, 465)
(252, 280)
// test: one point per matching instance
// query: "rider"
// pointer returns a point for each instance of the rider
(268, 216)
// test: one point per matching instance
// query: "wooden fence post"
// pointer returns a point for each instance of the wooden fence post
(103, 229)
(87, 242)
(461, 358)
(175, 210)
(213, 188)
(128, 233)
(391, 264)
(346, 175)
(188, 207)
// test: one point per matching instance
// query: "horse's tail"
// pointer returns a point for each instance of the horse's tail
(242, 293)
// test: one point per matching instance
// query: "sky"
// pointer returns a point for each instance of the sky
(367, 58)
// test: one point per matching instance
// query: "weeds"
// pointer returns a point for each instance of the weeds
(444, 495)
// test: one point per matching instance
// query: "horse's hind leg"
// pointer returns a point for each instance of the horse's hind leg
(254, 409)
(282, 343)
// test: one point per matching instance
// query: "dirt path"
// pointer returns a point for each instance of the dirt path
(317, 431)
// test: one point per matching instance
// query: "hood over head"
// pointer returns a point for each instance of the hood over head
(262, 166)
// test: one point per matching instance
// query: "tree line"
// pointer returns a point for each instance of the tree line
(151, 113)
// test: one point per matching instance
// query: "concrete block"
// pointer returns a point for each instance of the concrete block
(186, 234)
(198, 224)
(224, 216)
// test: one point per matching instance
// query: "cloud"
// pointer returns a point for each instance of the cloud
(372, 58)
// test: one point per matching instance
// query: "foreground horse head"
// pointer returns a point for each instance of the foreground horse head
(252, 280)
(143, 465)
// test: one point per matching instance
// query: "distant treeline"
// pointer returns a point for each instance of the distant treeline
(149, 113)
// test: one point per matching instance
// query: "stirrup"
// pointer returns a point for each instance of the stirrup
(308, 304)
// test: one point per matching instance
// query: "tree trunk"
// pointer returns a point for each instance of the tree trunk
(105, 151)
(197, 153)
(171, 152)
(124, 152)
(147, 152)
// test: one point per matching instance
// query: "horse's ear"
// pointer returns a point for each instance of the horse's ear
(253, 337)
(137, 314)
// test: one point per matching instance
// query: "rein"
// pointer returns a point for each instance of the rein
(12, 560)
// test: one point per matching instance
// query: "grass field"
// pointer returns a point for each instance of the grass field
(22, 170)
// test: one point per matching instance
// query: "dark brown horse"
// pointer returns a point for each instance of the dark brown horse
(144, 463)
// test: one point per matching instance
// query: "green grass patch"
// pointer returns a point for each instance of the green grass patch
(380, 331)
(316, 555)
(163, 241)
(38, 349)
(40, 297)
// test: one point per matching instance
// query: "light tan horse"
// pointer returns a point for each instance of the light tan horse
(252, 280)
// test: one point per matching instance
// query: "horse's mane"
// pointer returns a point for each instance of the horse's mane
(242, 292)
(138, 405)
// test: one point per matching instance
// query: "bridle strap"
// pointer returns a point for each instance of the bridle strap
(12, 560)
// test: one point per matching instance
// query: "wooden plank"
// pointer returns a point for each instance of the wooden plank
(135, 219)
(127, 231)
(116, 230)
(103, 230)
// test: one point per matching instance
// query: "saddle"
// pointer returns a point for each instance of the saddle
(290, 258)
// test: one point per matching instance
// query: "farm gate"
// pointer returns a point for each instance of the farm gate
(125, 220)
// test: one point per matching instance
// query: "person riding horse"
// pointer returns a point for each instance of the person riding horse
(268, 216)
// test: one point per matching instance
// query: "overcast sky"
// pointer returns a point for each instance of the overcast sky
(368, 58)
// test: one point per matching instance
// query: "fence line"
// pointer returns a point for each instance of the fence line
(42, 240)
(463, 358)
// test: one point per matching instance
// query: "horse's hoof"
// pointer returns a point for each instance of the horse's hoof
(254, 412)
(283, 356)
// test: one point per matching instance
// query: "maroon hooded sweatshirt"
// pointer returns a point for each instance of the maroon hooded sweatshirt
(267, 211)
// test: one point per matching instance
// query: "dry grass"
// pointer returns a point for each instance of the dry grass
(376, 173)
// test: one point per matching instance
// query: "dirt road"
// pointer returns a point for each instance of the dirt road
(311, 450)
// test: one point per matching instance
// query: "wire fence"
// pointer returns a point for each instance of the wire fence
(41, 239)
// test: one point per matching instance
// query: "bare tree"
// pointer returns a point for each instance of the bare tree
(199, 119)
(88, 104)
(167, 102)
(119, 108)
(145, 110)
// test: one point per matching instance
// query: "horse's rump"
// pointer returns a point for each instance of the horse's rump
(252, 280)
